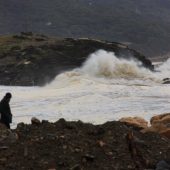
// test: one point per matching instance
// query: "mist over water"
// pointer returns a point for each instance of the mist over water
(105, 88)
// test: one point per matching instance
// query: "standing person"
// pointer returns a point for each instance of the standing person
(5, 111)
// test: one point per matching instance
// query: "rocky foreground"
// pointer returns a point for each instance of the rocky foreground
(82, 146)
(30, 59)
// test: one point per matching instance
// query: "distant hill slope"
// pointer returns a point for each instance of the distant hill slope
(144, 25)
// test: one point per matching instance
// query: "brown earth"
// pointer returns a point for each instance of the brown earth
(80, 146)
(135, 121)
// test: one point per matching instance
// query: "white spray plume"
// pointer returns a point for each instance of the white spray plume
(106, 64)
(164, 70)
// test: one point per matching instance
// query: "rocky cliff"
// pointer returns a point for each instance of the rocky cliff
(29, 59)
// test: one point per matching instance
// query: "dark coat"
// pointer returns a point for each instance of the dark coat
(6, 116)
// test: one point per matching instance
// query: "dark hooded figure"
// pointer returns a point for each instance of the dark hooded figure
(5, 111)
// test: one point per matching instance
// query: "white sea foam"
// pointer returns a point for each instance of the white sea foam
(103, 66)
(105, 88)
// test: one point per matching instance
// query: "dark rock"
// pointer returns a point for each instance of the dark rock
(166, 81)
(76, 167)
(162, 165)
(89, 157)
(35, 121)
(48, 57)
(62, 121)
(4, 147)
(20, 125)
(44, 121)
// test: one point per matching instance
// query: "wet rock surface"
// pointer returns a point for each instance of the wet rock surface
(166, 81)
(29, 59)
(81, 146)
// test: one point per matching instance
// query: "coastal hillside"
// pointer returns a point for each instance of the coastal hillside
(143, 25)
(28, 59)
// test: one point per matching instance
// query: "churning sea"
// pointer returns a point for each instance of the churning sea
(104, 89)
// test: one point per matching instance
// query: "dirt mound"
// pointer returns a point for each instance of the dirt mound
(80, 146)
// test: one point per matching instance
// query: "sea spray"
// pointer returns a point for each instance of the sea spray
(106, 67)
(163, 70)
(105, 88)
(106, 64)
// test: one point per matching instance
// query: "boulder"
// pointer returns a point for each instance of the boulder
(166, 81)
(162, 165)
(135, 121)
(160, 124)
(163, 118)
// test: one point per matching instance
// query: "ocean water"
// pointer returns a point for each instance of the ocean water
(104, 89)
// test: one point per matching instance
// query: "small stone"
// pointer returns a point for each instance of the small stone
(20, 125)
(75, 167)
(3, 160)
(77, 150)
(4, 147)
(62, 136)
(35, 121)
(62, 121)
(109, 153)
(62, 164)
(162, 165)
(44, 121)
(64, 146)
(88, 157)
(130, 167)
(101, 143)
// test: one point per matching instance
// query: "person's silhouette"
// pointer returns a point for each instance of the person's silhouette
(5, 111)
